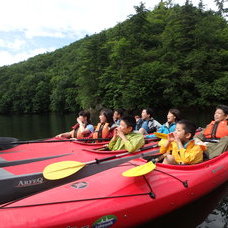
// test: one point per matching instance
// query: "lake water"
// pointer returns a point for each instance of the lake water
(47, 125)
(209, 212)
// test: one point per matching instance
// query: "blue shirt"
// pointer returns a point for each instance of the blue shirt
(150, 125)
(165, 128)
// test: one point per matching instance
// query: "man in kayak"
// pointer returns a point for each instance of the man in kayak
(117, 115)
(82, 129)
(125, 138)
(180, 148)
(215, 135)
(147, 124)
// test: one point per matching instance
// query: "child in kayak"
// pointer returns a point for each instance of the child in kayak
(180, 148)
(215, 135)
(82, 129)
(124, 138)
(173, 117)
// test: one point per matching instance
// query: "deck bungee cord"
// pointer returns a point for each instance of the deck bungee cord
(18, 186)
(5, 206)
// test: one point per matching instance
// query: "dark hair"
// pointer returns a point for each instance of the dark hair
(149, 111)
(176, 113)
(130, 121)
(224, 108)
(189, 127)
(108, 113)
(120, 111)
(85, 114)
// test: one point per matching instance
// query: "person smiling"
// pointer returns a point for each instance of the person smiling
(106, 125)
(173, 116)
(125, 138)
(215, 135)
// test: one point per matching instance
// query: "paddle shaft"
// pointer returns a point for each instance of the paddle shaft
(120, 155)
(26, 161)
(60, 140)
(106, 159)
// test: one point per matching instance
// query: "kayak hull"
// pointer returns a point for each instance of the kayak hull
(109, 199)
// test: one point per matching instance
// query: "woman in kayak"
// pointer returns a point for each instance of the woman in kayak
(173, 117)
(106, 126)
(82, 129)
(124, 138)
(215, 135)
(180, 148)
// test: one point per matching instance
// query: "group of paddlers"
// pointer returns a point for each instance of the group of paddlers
(182, 146)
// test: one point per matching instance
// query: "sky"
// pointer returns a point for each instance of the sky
(32, 27)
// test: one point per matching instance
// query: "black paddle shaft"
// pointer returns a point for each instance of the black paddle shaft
(9, 142)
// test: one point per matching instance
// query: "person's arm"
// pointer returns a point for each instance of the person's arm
(157, 125)
(199, 137)
(144, 128)
(160, 130)
(165, 144)
(81, 128)
(64, 135)
(113, 140)
(189, 156)
(88, 129)
(132, 143)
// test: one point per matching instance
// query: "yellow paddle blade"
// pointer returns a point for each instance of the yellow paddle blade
(62, 169)
(140, 170)
(161, 135)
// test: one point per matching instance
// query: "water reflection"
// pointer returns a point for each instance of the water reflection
(27, 127)
(199, 214)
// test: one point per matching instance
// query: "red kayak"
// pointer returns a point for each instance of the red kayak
(97, 195)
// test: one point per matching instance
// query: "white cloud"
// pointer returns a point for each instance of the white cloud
(8, 58)
(36, 17)
(42, 33)
(15, 45)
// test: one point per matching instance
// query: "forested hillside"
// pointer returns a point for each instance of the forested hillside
(170, 56)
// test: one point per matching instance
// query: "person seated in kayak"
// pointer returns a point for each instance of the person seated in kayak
(117, 115)
(125, 138)
(106, 126)
(147, 124)
(173, 117)
(180, 148)
(82, 129)
(215, 135)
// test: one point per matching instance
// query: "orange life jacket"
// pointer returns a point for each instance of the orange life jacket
(102, 131)
(216, 130)
(78, 134)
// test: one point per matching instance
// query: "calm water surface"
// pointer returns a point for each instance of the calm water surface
(209, 212)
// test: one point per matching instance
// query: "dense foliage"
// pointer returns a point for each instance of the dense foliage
(170, 56)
